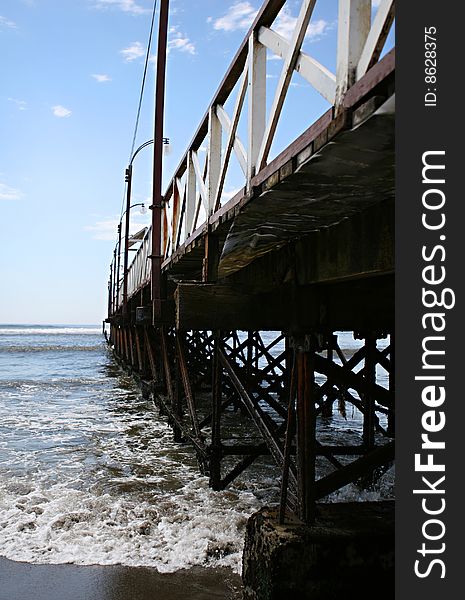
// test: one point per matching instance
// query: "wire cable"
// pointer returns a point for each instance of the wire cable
(144, 77)
(147, 57)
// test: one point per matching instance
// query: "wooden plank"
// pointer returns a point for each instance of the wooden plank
(376, 37)
(310, 69)
(284, 79)
(233, 141)
(190, 195)
(221, 306)
(256, 101)
(354, 21)
(380, 72)
(265, 16)
(299, 144)
(200, 181)
(213, 158)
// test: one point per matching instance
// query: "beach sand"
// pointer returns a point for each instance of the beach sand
(24, 581)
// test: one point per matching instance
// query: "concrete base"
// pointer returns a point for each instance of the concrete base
(348, 554)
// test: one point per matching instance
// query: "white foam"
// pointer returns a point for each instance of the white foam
(60, 525)
(51, 331)
(89, 474)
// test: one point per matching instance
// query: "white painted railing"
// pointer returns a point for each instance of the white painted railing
(197, 188)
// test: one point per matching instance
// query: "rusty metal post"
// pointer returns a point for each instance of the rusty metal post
(215, 448)
(157, 199)
(290, 433)
(126, 239)
(368, 400)
(177, 408)
(306, 432)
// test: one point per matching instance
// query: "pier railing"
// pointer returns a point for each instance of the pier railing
(197, 189)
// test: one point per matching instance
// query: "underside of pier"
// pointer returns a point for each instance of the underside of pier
(253, 303)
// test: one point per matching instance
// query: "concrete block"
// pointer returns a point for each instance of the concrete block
(347, 554)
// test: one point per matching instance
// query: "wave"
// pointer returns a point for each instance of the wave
(51, 348)
(50, 331)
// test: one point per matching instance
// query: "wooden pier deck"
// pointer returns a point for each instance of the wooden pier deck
(305, 249)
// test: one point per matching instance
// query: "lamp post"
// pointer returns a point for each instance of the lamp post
(128, 179)
(117, 264)
(126, 248)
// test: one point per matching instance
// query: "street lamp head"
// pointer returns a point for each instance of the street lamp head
(143, 209)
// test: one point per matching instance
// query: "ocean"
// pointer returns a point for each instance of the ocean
(90, 474)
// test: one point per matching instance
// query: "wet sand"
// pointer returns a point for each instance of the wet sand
(24, 581)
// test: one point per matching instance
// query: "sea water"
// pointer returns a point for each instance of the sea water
(89, 471)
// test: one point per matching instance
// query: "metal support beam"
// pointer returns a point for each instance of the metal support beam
(215, 448)
(306, 432)
(157, 198)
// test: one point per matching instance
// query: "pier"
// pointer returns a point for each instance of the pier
(232, 307)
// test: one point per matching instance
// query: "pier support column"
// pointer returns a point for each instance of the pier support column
(215, 448)
(347, 554)
(369, 372)
(177, 404)
(306, 430)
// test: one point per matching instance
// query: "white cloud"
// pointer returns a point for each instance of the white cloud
(61, 111)
(4, 22)
(285, 25)
(136, 50)
(317, 28)
(240, 15)
(106, 229)
(9, 193)
(129, 6)
(101, 78)
(376, 2)
(180, 42)
(227, 195)
(20, 104)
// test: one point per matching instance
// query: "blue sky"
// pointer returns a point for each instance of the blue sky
(71, 72)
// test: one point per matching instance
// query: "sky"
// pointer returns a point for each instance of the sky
(71, 73)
